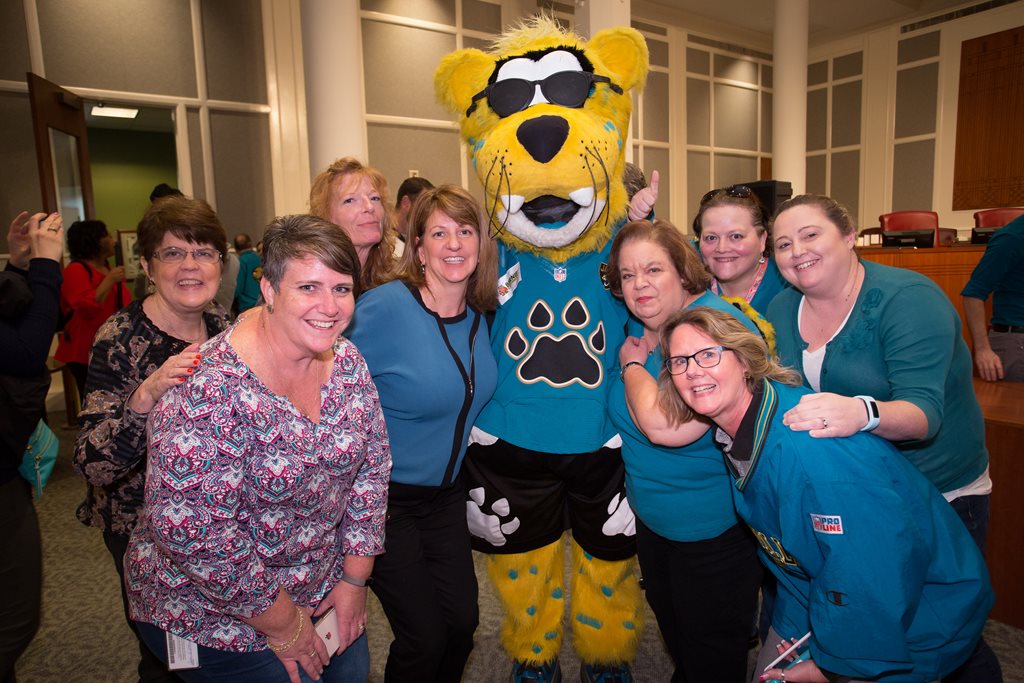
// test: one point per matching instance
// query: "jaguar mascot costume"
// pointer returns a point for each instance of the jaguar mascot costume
(545, 116)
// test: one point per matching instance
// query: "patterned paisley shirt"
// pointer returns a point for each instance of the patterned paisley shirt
(111, 448)
(245, 497)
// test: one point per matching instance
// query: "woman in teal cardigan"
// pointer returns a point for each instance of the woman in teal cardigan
(884, 349)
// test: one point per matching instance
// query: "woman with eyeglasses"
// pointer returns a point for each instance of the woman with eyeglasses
(875, 573)
(142, 351)
(883, 347)
(699, 563)
(426, 343)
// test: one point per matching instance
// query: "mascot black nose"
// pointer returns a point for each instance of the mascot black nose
(543, 136)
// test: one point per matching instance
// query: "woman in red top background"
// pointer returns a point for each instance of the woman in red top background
(91, 293)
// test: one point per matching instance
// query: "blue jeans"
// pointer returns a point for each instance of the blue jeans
(350, 666)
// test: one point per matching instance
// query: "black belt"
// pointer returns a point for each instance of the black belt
(1013, 329)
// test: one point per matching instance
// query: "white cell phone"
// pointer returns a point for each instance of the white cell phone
(327, 629)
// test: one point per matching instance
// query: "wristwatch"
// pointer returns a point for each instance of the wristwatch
(362, 583)
(871, 406)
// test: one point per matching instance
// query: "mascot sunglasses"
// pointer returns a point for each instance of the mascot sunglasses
(565, 88)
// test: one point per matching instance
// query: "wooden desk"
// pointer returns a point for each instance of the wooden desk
(949, 267)
(1002, 404)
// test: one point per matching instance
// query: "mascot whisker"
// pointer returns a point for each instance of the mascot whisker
(545, 116)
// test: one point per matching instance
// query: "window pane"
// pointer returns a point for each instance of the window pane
(656, 107)
(233, 43)
(403, 87)
(817, 106)
(847, 65)
(132, 45)
(735, 69)
(698, 112)
(735, 117)
(913, 167)
(916, 96)
(918, 47)
(241, 170)
(698, 61)
(846, 181)
(846, 114)
(440, 11)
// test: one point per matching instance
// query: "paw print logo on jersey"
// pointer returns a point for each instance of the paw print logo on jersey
(560, 354)
(490, 527)
(621, 519)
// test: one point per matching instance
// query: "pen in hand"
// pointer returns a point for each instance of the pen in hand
(788, 651)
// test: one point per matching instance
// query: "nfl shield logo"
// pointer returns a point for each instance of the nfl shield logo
(560, 273)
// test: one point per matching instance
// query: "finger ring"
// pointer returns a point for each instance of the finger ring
(313, 654)
(783, 676)
(824, 423)
(52, 229)
(362, 627)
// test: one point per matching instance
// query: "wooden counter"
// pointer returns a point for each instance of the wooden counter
(1002, 404)
(949, 267)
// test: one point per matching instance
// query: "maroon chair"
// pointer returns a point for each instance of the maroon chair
(996, 218)
(911, 220)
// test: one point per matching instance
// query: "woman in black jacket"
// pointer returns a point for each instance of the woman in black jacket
(29, 293)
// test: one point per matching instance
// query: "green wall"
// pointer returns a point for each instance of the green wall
(126, 166)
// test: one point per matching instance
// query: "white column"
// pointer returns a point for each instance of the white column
(789, 112)
(333, 59)
(595, 15)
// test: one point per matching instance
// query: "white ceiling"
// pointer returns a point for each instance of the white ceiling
(829, 19)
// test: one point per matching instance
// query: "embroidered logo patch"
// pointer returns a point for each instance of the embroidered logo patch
(827, 524)
(508, 282)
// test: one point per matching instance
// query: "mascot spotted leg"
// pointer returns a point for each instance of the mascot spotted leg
(545, 116)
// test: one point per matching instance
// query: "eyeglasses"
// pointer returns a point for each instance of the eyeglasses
(705, 358)
(203, 255)
(565, 88)
(741, 191)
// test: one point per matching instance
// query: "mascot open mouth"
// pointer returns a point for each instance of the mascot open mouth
(550, 220)
(549, 209)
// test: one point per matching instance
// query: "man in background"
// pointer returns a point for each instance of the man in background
(247, 290)
(999, 351)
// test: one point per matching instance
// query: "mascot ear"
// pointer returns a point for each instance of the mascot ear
(623, 52)
(461, 75)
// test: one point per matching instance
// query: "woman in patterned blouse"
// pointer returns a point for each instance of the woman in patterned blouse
(267, 483)
(138, 354)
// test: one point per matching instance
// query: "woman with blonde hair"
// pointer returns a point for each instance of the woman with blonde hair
(699, 562)
(355, 198)
(874, 571)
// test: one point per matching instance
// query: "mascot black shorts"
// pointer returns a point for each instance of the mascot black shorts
(521, 500)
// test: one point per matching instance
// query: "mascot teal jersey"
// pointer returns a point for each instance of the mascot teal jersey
(556, 338)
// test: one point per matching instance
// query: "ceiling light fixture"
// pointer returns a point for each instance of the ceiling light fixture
(114, 112)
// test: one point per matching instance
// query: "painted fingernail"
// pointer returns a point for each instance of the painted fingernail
(190, 369)
(195, 362)
(181, 379)
(763, 677)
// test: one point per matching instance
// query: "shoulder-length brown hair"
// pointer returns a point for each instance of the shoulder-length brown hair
(725, 329)
(380, 262)
(694, 274)
(459, 205)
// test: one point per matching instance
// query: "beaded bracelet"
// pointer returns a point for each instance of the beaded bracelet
(295, 637)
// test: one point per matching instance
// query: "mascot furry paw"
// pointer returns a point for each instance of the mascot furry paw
(545, 115)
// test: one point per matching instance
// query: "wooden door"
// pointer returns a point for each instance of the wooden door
(62, 152)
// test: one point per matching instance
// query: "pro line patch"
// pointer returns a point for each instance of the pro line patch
(827, 524)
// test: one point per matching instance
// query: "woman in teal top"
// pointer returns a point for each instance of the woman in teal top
(884, 348)
(426, 344)
(699, 563)
(732, 236)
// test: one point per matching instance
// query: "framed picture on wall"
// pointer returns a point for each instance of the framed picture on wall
(127, 255)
